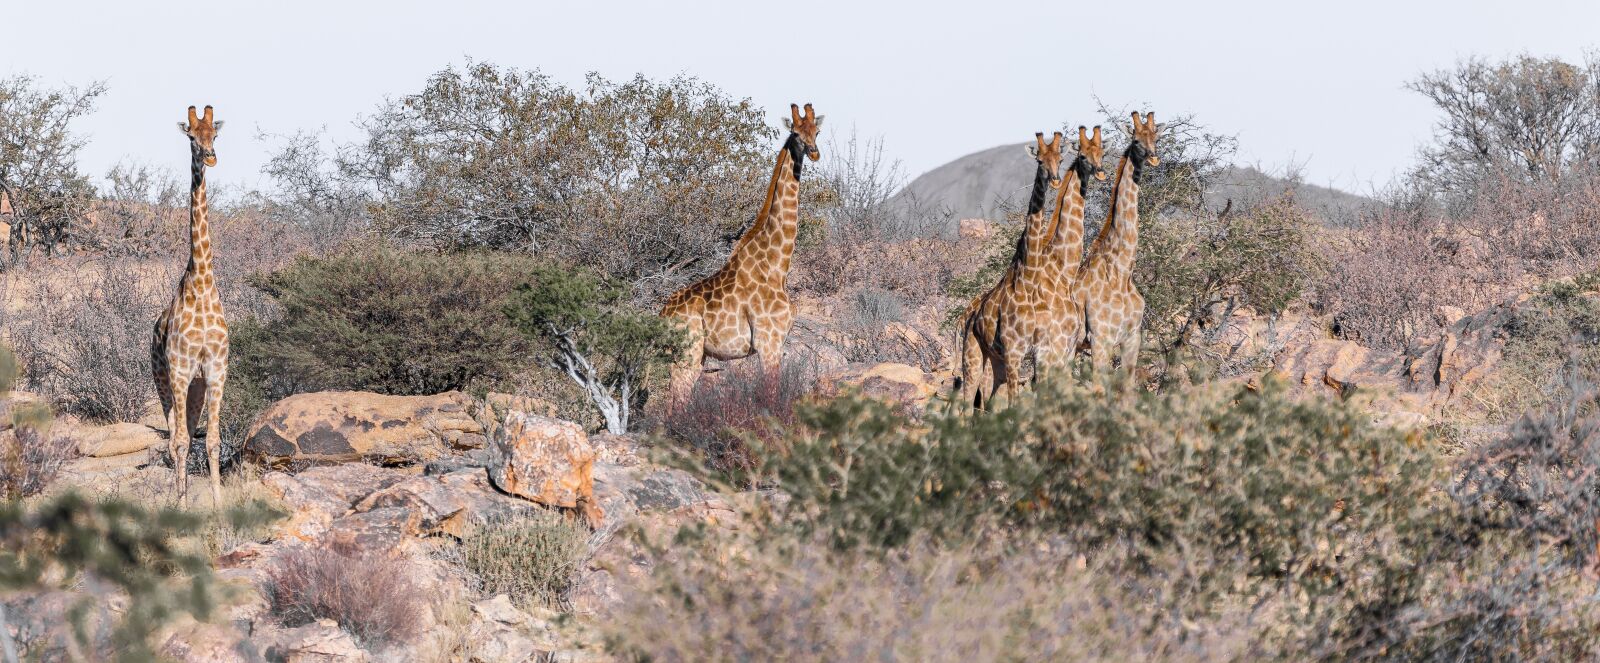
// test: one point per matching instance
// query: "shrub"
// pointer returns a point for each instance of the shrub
(643, 180)
(1195, 271)
(740, 598)
(30, 457)
(533, 559)
(385, 320)
(1553, 335)
(370, 594)
(595, 337)
(125, 548)
(727, 411)
(84, 338)
(1224, 492)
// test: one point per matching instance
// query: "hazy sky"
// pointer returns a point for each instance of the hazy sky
(1313, 83)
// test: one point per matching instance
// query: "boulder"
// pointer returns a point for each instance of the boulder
(545, 460)
(198, 642)
(449, 503)
(502, 633)
(116, 439)
(377, 530)
(319, 495)
(901, 384)
(342, 426)
(318, 642)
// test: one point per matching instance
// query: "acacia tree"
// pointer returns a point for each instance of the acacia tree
(593, 336)
(646, 181)
(1526, 117)
(39, 160)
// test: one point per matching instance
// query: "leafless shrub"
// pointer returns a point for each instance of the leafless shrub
(1392, 276)
(369, 594)
(83, 337)
(142, 213)
(729, 409)
(31, 454)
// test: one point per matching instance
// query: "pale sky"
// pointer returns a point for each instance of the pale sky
(1319, 84)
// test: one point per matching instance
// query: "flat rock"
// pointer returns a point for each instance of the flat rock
(317, 496)
(116, 439)
(343, 426)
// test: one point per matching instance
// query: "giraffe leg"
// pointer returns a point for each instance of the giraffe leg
(684, 373)
(969, 389)
(178, 432)
(216, 375)
(768, 344)
(1129, 356)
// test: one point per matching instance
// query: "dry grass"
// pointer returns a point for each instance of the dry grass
(369, 594)
(739, 599)
(533, 559)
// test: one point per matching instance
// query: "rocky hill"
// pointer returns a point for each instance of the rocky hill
(981, 184)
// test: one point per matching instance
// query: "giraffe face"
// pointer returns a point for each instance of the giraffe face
(1092, 151)
(805, 127)
(1048, 155)
(202, 133)
(1144, 137)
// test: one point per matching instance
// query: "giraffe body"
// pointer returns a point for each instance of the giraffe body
(1059, 324)
(189, 350)
(1113, 308)
(998, 330)
(743, 308)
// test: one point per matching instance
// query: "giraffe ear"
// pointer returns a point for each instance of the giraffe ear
(184, 127)
(788, 125)
(817, 122)
(1033, 151)
(217, 126)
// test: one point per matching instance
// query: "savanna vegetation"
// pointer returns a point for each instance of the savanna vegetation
(497, 230)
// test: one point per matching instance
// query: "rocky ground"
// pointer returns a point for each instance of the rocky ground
(404, 477)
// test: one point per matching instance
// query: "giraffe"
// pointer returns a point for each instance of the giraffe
(995, 332)
(189, 353)
(1113, 308)
(743, 308)
(1059, 323)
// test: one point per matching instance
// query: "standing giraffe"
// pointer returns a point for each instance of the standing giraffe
(743, 309)
(996, 332)
(1113, 308)
(1059, 326)
(189, 353)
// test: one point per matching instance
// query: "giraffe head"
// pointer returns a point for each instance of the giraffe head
(1048, 155)
(804, 126)
(1144, 140)
(1091, 152)
(202, 133)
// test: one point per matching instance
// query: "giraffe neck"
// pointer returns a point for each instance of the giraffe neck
(1031, 245)
(1119, 236)
(767, 248)
(1066, 235)
(199, 229)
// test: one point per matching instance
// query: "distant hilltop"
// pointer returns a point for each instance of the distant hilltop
(979, 185)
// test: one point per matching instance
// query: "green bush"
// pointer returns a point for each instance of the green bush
(532, 558)
(385, 320)
(590, 332)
